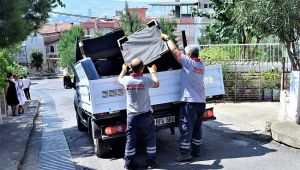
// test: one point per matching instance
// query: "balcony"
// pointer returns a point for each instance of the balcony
(52, 56)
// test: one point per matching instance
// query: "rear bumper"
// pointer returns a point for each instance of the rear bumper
(174, 111)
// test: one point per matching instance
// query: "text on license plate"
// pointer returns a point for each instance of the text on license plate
(164, 120)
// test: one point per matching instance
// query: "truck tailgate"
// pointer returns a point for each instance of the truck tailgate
(106, 95)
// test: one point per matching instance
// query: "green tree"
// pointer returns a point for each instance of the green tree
(232, 21)
(168, 26)
(280, 18)
(130, 22)
(20, 17)
(66, 46)
(98, 34)
(6, 63)
(37, 59)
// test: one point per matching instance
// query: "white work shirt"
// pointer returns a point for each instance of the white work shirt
(192, 79)
(26, 83)
(137, 93)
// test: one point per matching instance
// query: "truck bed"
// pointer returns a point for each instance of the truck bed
(106, 95)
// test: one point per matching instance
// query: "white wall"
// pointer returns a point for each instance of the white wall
(33, 42)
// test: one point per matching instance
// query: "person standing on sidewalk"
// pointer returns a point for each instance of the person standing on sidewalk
(11, 96)
(26, 83)
(20, 93)
(139, 112)
(192, 95)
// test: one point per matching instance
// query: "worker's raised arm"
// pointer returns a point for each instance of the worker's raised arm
(152, 71)
(172, 46)
(122, 74)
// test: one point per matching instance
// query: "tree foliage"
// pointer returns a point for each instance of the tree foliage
(66, 46)
(36, 59)
(20, 17)
(280, 18)
(97, 34)
(244, 21)
(168, 26)
(7, 64)
(130, 23)
(231, 22)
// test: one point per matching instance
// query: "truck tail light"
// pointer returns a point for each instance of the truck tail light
(113, 130)
(209, 114)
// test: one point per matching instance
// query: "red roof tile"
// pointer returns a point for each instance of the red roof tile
(54, 28)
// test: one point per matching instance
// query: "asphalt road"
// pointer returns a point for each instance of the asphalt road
(219, 150)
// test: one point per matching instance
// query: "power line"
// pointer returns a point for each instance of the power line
(73, 15)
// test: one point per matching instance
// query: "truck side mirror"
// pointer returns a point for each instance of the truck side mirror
(68, 82)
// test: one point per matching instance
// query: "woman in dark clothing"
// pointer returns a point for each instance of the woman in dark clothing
(11, 95)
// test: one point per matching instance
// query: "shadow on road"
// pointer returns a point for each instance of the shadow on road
(217, 146)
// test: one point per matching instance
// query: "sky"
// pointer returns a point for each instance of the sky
(101, 8)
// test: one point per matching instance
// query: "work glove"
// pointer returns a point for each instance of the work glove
(164, 37)
(125, 67)
(152, 69)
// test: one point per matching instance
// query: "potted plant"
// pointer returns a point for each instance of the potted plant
(276, 85)
(271, 85)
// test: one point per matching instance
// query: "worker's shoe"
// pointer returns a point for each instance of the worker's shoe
(196, 153)
(184, 158)
(132, 166)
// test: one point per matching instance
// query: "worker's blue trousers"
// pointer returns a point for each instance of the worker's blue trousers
(190, 121)
(140, 126)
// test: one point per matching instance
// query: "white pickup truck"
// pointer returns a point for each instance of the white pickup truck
(100, 102)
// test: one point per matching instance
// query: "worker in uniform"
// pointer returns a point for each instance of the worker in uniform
(140, 121)
(192, 96)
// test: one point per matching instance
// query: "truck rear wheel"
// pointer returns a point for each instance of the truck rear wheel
(101, 147)
(80, 125)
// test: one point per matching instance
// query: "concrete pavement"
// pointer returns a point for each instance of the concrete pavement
(14, 135)
(257, 120)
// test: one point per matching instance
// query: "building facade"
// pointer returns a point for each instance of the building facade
(97, 26)
(33, 42)
(52, 34)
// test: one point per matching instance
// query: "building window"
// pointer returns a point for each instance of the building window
(34, 39)
(205, 5)
(51, 48)
(106, 30)
(22, 54)
(210, 6)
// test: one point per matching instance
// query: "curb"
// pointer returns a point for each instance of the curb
(20, 163)
(287, 133)
(45, 77)
(260, 137)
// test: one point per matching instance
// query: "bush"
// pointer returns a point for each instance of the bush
(37, 59)
(271, 79)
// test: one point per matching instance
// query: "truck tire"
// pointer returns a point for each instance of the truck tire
(101, 147)
(80, 125)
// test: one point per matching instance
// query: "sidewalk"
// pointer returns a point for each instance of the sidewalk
(257, 120)
(14, 135)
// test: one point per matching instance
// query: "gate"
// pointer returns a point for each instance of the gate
(251, 72)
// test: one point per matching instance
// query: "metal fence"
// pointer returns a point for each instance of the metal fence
(250, 72)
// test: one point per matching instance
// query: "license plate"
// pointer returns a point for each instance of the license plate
(164, 120)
